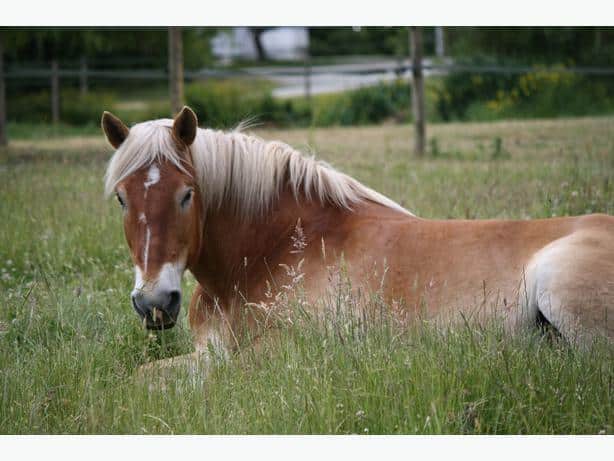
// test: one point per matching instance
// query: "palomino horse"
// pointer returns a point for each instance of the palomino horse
(227, 206)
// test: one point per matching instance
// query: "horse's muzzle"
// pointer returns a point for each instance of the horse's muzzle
(158, 311)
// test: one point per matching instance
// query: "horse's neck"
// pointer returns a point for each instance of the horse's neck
(238, 254)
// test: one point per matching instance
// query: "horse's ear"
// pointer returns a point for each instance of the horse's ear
(114, 129)
(185, 126)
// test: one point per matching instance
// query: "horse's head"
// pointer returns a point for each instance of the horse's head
(161, 208)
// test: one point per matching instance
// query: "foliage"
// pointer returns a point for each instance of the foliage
(224, 103)
(337, 41)
(105, 48)
(75, 108)
(535, 45)
(460, 89)
(147, 46)
(541, 94)
(365, 105)
(538, 93)
(84, 109)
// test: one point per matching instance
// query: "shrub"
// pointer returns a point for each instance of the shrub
(31, 107)
(539, 93)
(365, 105)
(75, 109)
(460, 89)
(375, 104)
(550, 93)
(224, 103)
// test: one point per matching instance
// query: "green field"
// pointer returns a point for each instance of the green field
(70, 343)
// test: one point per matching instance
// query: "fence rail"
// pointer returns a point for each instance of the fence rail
(156, 74)
(380, 69)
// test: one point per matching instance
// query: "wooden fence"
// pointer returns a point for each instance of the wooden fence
(83, 73)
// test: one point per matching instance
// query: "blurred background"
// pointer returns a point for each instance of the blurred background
(57, 81)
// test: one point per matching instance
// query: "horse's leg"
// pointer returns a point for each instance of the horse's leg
(571, 283)
(192, 363)
(211, 327)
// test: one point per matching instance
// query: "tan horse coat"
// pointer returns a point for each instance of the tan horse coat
(563, 267)
(248, 217)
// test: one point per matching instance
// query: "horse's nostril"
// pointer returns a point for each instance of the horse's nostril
(158, 310)
(136, 306)
(174, 300)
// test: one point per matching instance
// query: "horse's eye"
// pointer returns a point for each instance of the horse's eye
(120, 200)
(186, 198)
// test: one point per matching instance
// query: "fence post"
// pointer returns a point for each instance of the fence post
(175, 68)
(417, 84)
(307, 77)
(3, 135)
(55, 92)
(597, 42)
(440, 49)
(83, 77)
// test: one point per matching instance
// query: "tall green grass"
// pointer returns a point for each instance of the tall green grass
(70, 344)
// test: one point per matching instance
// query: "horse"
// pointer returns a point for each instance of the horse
(240, 212)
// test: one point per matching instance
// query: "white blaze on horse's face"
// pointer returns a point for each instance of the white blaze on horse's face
(162, 227)
(153, 176)
(162, 215)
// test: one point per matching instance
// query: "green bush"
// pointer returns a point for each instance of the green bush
(286, 112)
(365, 105)
(461, 89)
(75, 109)
(225, 103)
(32, 107)
(536, 94)
(550, 93)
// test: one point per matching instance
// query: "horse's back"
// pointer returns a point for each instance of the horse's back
(443, 268)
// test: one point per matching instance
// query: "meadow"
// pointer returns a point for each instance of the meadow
(70, 343)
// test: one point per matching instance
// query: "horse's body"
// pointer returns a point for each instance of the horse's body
(517, 270)
(261, 213)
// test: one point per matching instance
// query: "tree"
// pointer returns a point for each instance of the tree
(106, 48)
(257, 34)
(175, 67)
(534, 45)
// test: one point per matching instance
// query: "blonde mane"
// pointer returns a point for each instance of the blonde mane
(241, 170)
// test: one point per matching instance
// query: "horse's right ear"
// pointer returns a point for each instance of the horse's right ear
(114, 129)
(185, 126)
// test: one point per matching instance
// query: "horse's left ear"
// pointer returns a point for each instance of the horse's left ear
(185, 126)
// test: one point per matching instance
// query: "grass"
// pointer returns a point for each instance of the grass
(70, 343)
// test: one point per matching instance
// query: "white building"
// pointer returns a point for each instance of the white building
(279, 43)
